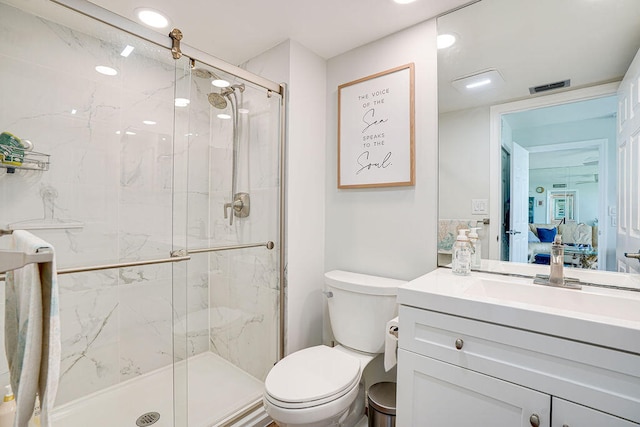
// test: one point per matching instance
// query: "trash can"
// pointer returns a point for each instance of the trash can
(382, 405)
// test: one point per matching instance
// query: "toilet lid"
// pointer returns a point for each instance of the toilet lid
(312, 374)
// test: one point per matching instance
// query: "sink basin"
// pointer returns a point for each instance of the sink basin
(606, 317)
(583, 303)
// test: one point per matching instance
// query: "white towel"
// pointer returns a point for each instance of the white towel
(32, 331)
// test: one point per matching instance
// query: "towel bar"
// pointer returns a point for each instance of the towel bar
(8, 259)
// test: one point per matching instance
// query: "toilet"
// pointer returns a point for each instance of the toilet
(320, 386)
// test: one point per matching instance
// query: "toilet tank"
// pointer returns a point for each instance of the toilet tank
(360, 307)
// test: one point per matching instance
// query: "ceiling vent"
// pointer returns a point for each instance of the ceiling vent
(549, 86)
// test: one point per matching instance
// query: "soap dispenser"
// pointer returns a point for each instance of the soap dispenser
(8, 408)
(476, 248)
(461, 258)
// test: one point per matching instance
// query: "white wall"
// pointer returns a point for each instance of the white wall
(386, 231)
(464, 156)
(463, 165)
(305, 74)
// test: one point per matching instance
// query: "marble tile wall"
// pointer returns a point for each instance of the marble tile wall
(119, 190)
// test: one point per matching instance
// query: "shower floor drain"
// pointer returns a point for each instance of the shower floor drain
(147, 419)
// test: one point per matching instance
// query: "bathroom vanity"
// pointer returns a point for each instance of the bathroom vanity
(493, 350)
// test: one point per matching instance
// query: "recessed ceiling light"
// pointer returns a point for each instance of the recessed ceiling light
(220, 83)
(130, 133)
(446, 40)
(224, 116)
(403, 1)
(181, 102)
(118, 132)
(152, 17)
(107, 71)
(148, 122)
(127, 51)
(73, 111)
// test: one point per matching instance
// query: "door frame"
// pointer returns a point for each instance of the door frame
(495, 144)
(519, 190)
(603, 174)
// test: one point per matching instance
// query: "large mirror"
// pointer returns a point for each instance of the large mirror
(528, 120)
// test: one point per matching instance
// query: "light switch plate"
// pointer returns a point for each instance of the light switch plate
(479, 206)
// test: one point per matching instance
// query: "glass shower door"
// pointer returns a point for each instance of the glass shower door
(106, 197)
(233, 293)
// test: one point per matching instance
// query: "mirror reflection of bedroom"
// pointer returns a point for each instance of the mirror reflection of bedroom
(559, 177)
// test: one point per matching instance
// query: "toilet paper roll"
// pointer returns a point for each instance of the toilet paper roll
(391, 344)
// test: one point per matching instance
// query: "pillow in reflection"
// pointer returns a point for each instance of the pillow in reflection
(533, 238)
(546, 235)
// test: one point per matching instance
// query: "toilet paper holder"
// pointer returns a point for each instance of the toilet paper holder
(393, 330)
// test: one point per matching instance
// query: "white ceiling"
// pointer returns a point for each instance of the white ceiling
(238, 30)
(530, 42)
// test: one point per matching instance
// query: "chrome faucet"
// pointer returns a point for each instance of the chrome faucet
(556, 276)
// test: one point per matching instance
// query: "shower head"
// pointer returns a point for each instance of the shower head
(217, 100)
(229, 90)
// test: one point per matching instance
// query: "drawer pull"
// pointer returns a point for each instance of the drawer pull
(459, 343)
(534, 419)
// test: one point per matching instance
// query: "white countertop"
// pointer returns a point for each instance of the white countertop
(605, 317)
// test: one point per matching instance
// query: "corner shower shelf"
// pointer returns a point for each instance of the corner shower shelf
(32, 160)
(45, 224)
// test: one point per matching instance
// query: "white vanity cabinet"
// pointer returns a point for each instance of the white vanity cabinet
(465, 362)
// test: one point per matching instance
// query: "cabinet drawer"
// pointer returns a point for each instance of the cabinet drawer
(567, 414)
(601, 378)
(438, 394)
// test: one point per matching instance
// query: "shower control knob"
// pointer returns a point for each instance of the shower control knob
(459, 343)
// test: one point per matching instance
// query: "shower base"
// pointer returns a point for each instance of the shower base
(215, 390)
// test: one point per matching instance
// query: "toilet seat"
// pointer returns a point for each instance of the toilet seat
(312, 377)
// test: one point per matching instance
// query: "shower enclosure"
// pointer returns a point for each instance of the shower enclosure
(160, 187)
